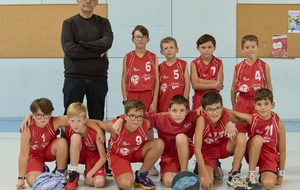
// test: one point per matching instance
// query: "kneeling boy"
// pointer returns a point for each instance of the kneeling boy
(211, 143)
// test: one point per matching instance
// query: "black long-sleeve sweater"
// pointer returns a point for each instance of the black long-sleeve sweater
(83, 41)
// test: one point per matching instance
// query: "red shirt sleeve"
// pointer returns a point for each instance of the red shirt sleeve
(225, 117)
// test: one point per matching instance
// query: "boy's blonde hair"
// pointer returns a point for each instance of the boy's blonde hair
(251, 38)
(135, 104)
(77, 109)
(168, 40)
(141, 29)
(44, 104)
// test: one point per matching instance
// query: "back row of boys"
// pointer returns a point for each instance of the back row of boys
(173, 141)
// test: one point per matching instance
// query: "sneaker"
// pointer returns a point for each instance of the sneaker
(73, 180)
(46, 169)
(153, 171)
(143, 181)
(62, 177)
(235, 181)
(219, 172)
(196, 169)
(252, 182)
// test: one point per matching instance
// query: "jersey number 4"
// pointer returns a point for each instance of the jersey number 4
(257, 75)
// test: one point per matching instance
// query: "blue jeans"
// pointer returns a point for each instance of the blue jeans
(95, 90)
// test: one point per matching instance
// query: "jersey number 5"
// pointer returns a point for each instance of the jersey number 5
(176, 75)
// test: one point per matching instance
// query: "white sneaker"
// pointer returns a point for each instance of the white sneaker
(153, 171)
(235, 181)
(219, 172)
(252, 181)
(62, 177)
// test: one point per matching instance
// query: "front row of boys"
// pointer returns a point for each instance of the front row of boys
(265, 148)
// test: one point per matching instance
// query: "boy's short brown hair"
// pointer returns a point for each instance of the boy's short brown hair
(178, 99)
(263, 94)
(211, 97)
(141, 29)
(135, 104)
(251, 38)
(77, 109)
(206, 38)
(44, 104)
(168, 40)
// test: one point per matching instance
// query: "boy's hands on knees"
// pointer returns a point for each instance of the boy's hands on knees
(117, 126)
(26, 123)
(89, 179)
(231, 130)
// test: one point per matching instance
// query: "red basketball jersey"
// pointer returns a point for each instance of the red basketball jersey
(140, 71)
(167, 128)
(212, 136)
(207, 72)
(89, 141)
(268, 129)
(127, 143)
(40, 138)
(171, 83)
(249, 79)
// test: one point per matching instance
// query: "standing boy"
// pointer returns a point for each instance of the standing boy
(176, 129)
(84, 148)
(266, 146)
(39, 144)
(206, 70)
(249, 76)
(130, 145)
(212, 143)
(140, 73)
(174, 78)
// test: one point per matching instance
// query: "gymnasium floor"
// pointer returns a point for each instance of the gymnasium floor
(9, 140)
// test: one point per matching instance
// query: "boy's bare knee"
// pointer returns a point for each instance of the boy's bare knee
(241, 138)
(257, 141)
(125, 184)
(268, 183)
(159, 144)
(167, 182)
(76, 138)
(181, 139)
(99, 183)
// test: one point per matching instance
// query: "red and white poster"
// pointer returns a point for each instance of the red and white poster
(279, 45)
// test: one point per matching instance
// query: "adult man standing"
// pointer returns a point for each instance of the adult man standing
(85, 39)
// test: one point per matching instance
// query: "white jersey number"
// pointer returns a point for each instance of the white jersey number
(148, 66)
(214, 70)
(269, 129)
(138, 140)
(43, 137)
(176, 75)
(257, 75)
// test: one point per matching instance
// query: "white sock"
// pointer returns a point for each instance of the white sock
(74, 168)
(250, 172)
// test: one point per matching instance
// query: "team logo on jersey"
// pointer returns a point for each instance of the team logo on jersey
(135, 69)
(258, 131)
(89, 146)
(175, 85)
(135, 79)
(165, 76)
(125, 143)
(245, 79)
(124, 151)
(204, 75)
(244, 88)
(147, 77)
(208, 141)
(186, 125)
(163, 87)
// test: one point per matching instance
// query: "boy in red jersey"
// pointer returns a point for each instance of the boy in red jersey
(212, 143)
(206, 70)
(130, 145)
(176, 129)
(174, 78)
(266, 146)
(84, 148)
(39, 144)
(249, 76)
